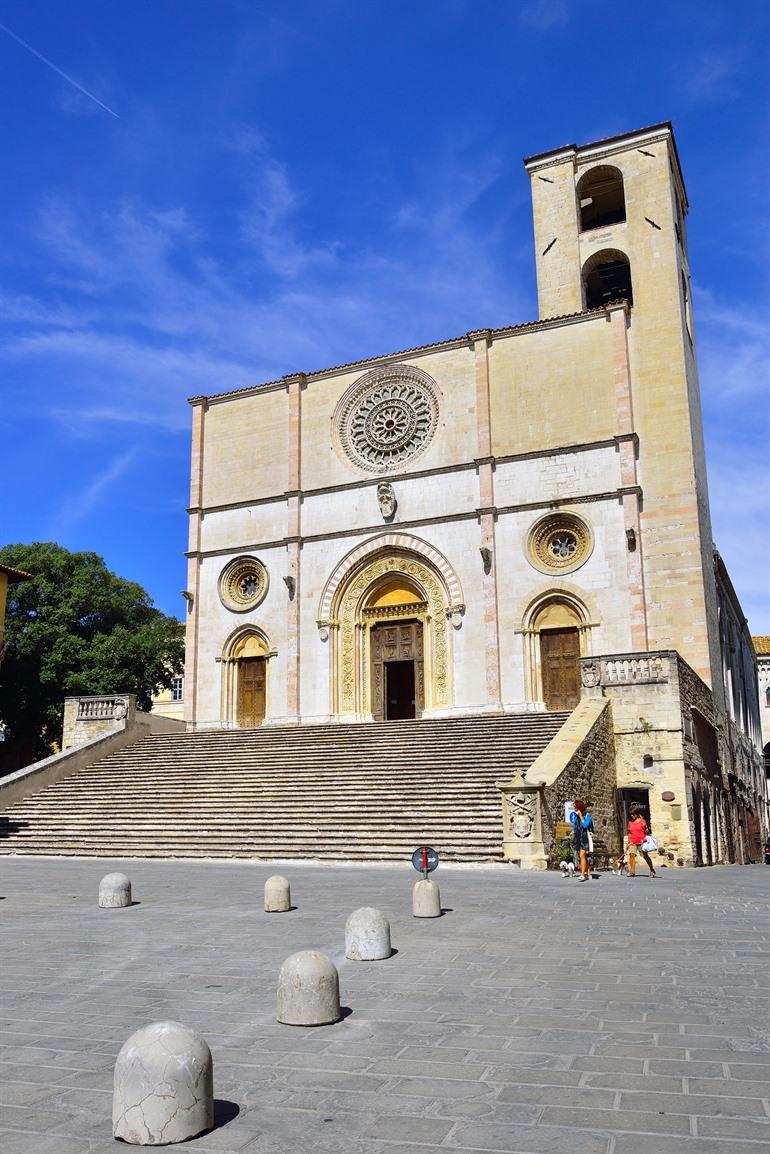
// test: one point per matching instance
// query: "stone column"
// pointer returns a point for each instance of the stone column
(480, 342)
(626, 442)
(294, 387)
(522, 822)
(199, 409)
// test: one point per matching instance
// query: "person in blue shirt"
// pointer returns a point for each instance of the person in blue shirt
(582, 827)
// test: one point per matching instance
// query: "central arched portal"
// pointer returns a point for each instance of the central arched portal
(396, 616)
(389, 631)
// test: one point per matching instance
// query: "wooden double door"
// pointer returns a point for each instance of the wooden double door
(252, 692)
(560, 667)
(397, 670)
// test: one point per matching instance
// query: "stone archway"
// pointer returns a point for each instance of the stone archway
(391, 585)
(556, 628)
(245, 678)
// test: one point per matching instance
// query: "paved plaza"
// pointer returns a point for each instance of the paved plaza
(538, 1015)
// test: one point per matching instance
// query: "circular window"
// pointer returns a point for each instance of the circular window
(559, 543)
(243, 584)
(387, 418)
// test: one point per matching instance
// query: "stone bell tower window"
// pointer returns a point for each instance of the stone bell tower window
(601, 198)
(607, 278)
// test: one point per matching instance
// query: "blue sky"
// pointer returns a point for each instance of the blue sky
(271, 187)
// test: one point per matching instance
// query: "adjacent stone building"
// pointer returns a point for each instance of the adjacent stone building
(500, 521)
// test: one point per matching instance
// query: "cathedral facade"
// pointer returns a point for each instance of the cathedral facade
(457, 528)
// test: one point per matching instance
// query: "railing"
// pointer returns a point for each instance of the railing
(625, 669)
(103, 708)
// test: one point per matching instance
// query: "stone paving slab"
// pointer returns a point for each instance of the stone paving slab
(537, 1016)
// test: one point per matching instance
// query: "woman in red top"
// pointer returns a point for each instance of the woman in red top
(637, 832)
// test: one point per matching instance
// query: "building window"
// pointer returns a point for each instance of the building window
(686, 304)
(767, 697)
(601, 198)
(177, 689)
(606, 279)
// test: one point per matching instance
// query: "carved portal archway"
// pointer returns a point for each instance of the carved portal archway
(245, 663)
(390, 585)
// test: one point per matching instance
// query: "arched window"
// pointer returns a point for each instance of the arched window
(601, 198)
(767, 696)
(607, 278)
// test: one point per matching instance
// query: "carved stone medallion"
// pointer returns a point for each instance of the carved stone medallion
(387, 418)
(243, 584)
(559, 543)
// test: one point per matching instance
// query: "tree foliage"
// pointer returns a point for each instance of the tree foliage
(77, 628)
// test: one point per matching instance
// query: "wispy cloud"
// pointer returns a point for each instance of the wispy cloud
(734, 352)
(165, 316)
(710, 75)
(77, 507)
(543, 15)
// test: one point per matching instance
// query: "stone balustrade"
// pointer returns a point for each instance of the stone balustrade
(619, 669)
(89, 717)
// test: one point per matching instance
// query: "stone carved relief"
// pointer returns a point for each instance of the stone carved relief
(589, 674)
(243, 584)
(559, 543)
(522, 809)
(350, 631)
(386, 499)
(387, 417)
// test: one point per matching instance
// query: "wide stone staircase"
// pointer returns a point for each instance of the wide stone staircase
(370, 792)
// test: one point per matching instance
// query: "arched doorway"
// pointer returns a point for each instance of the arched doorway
(245, 678)
(558, 628)
(395, 613)
(387, 623)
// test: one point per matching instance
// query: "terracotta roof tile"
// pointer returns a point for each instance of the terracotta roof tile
(761, 645)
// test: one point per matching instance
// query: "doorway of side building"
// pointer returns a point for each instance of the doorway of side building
(397, 675)
(638, 797)
(252, 696)
(560, 665)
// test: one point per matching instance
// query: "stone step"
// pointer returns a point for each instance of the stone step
(331, 792)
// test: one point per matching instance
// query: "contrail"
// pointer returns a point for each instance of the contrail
(50, 64)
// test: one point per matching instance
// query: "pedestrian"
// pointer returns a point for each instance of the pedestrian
(582, 825)
(638, 832)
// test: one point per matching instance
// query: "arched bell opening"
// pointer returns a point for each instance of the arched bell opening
(601, 198)
(606, 279)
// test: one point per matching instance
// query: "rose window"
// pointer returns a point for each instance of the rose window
(243, 584)
(563, 546)
(559, 543)
(387, 418)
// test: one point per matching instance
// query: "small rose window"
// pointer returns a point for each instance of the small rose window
(559, 543)
(243, 584)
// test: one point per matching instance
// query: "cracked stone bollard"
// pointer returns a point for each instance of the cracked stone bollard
(277, 895)
(426, 900)
(114, 891)
(367, 936)
(164, 1088)
(308, 990)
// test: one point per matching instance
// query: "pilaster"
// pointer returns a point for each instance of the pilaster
(199, 409)
(294, 386)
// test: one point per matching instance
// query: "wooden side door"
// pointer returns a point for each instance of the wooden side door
(560, 664)
(401, 641)
(252, 677)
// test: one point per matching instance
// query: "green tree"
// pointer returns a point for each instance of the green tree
(76, 628)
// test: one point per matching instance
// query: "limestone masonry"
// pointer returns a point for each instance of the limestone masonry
(459, 528)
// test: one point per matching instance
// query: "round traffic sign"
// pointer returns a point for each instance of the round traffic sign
(424, 859)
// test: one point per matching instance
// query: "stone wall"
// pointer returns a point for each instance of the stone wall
(86, 718)
(590, 774)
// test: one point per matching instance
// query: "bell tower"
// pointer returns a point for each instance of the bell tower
(609, 226)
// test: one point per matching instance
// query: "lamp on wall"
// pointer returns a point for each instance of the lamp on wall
(486, 558)
(291, 585)
(631, 540)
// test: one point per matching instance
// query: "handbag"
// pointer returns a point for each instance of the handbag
(649, 843)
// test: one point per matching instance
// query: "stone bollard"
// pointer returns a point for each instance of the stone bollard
(426, 900)
(114, 891)
(277, 895)
(367, 936)
(164, 1087)
(308, 990)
